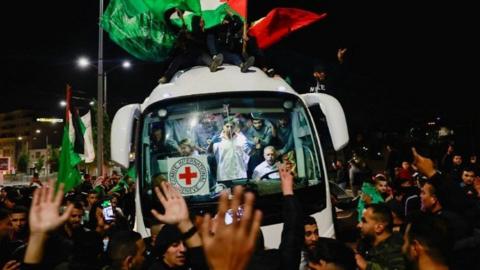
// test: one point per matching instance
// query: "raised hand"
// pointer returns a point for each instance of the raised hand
(341, 55)
(44, 213)
(12, 265)
(176, 209)
(44, 217)
(287, 179)
(424, 165)
(232, 245)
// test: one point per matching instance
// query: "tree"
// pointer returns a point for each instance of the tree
(22, 164)
(53, 160)
(39, 163)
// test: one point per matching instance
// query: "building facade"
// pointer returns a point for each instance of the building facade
(25, 132)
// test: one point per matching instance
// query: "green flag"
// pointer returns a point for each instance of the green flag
(139, 26)
(68, 173)
(141, 35)
(129, 176)
(160, 7)
(212, 11)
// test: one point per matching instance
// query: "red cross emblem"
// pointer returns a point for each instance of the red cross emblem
(188, 175)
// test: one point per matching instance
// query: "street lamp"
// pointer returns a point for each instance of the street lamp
(84, 62)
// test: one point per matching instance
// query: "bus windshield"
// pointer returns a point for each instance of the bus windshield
(205, 146)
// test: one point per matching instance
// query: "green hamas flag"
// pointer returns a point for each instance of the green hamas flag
(129, 176)
(212, 15)
(141, 35)
(160, 7)
(68, 173)
(140, 27)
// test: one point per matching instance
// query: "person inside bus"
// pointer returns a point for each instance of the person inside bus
(187, 148)
(268, 168)
(259, 135)
(158, 144)
(231, 151)
(282, 135)
(203, 133)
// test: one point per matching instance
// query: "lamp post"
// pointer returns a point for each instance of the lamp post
(101, 93)
(100, 85)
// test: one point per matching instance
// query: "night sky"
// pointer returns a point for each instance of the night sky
(407, 61)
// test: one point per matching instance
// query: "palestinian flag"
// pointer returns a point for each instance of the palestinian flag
(73, 146)
(212, 12)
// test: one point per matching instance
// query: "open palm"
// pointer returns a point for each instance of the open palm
(176, 209)
(44, 214)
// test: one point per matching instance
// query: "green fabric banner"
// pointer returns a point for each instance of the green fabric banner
(142, 35)
(140, 27)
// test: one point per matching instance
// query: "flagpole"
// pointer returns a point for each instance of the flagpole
(100, 90)
(244, 43)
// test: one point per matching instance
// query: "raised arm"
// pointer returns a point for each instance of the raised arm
(176, 213)
(44, 218)
(232, 245)
(292, 234)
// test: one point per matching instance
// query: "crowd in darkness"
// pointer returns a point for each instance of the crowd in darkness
(431, 222)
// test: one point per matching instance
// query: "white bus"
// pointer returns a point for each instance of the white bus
(191, 110)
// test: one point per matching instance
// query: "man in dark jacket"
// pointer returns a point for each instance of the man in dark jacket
(381, 248)
(172, 252)
(178, 244)
(287, 256)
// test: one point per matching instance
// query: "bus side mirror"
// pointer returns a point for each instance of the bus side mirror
(122, 132)
(333, 111)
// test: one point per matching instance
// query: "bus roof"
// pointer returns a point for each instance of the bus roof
(199, 81)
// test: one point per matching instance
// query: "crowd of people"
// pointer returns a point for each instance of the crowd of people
(44, 229)
(441, 193)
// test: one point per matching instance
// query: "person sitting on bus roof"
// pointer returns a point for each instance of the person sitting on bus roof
(268, 168)
(231, 152)
(224, 40)
(190, 49)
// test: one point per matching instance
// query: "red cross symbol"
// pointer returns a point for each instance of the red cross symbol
(188, 175)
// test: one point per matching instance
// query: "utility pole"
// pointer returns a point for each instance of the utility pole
(100, 105)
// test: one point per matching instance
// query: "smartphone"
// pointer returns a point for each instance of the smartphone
(108, 211)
